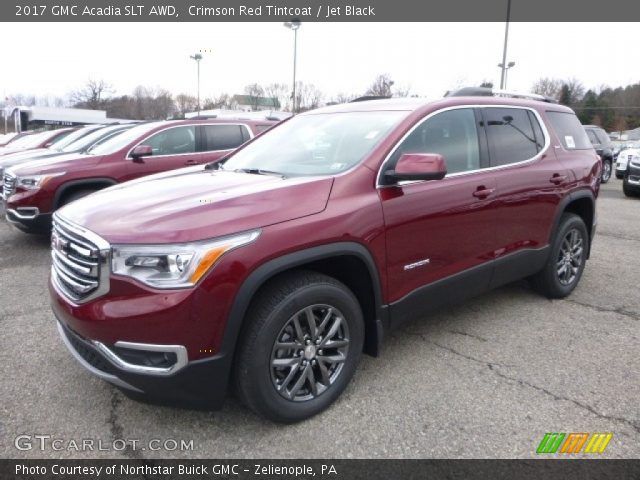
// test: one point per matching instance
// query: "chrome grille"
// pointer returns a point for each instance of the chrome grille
(80, 267)
(8, 185)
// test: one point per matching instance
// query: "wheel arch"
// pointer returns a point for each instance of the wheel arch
(68, 188)
(581, 203)
(349, 262)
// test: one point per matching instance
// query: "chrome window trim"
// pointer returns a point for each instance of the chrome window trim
(141, 142)
(540, 154)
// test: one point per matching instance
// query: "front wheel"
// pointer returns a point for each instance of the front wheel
(567, 259)
(606, 171)
(299, 348)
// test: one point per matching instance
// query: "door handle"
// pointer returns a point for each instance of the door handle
(482, 192)
(557, 179)
(191, 162)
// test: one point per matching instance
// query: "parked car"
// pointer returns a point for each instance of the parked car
(631, 179)
(10, 137)
(35, 140)
(275, 269)
(628, 152)
(604, 148)
(34, 190)
(77, 142)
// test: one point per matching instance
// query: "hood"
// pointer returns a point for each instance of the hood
(58, 163)
(190, 206)
(12, 159)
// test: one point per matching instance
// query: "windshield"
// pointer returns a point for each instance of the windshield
(72, 137)
(28, 140)
(317, 144)
(93, 138)
(120, 141)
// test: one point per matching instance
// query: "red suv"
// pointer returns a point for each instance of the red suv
(273, 271)
(33, 191)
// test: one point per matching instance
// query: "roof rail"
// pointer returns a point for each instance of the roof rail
(489, 92)
(368, 97)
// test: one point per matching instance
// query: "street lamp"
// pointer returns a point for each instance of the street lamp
(294, 25)
(503, 76)
(197, 57)
(506, 71)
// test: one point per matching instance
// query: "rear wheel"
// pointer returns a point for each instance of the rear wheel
(300, 347)
(567, 259)
(606, 171)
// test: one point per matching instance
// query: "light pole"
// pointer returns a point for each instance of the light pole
(503, 76)
(294, 25)
(506, 71)
(197, 57)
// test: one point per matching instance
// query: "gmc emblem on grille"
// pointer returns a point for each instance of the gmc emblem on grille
(58, 243)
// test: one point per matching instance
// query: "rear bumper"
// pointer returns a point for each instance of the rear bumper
(197, 384)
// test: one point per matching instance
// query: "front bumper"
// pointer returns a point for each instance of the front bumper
(633, 175)
(29, 219)
(197, 384)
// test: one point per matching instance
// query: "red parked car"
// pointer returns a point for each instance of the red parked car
(34, 141)
(274, 271)
(34, 190)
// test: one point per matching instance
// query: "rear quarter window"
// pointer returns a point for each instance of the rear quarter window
(569, 130)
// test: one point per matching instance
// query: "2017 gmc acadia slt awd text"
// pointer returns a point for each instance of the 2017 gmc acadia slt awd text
(274, 270)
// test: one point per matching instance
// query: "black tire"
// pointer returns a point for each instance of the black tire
(628, 189)
(73, 196)
(550, 282)
(259, 384)
(607, 166)
(619, 176)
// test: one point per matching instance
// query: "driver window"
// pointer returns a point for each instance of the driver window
(452, 134)
(173, 141)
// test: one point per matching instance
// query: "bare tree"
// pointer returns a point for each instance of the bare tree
(381, 86)
(254, 91)
(281, 92)
(92, 94)
(547, 86)
(185, 103)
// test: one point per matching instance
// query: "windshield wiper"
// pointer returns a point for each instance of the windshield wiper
(259, 171)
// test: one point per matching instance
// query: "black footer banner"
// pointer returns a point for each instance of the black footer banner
(318, 469)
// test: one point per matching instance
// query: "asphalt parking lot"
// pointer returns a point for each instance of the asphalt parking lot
(485, 379)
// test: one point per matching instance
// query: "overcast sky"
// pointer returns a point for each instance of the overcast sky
(56, 58)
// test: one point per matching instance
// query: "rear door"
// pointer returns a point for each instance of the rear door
(530, 182)
(217, 140)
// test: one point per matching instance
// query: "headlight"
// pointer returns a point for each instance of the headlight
(33, 182)
(174, 266)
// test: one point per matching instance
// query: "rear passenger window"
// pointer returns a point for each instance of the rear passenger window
(452, 134)
(592, 137)
(569, 131)
(223, 137)
(510, 134)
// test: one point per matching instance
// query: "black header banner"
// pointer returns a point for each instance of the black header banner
(318, 469)
(317, 10)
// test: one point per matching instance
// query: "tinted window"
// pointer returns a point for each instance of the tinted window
(173, 141)
(510, 135)
(537, 130)
(569, 131)
(592, 137)
(452, 134)
(603, 138)
(222, 137)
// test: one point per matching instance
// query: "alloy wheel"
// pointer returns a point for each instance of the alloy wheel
(570, 256)
(309, 352)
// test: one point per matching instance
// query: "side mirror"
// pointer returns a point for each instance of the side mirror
(47, 145)
(418, 166)
(141, 151)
